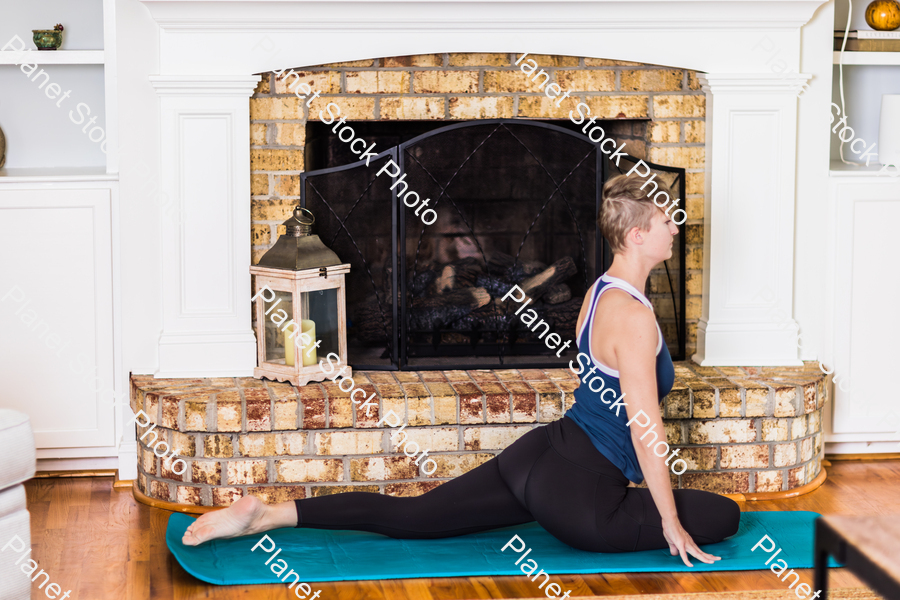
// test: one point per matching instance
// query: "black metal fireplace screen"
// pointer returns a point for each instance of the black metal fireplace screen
(517, 204)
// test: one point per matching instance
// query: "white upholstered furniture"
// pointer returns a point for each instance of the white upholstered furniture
(17, 462)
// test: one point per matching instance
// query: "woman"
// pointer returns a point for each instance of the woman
(572, 476)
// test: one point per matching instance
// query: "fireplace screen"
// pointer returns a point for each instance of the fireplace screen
(517, 204)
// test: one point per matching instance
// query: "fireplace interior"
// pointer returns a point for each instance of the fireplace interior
(517, 204)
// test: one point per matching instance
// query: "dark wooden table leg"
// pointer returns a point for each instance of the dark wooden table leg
(823, 538)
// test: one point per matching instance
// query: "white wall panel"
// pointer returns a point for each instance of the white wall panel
(56, 351)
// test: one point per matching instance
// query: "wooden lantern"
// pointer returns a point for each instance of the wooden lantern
(300, 306)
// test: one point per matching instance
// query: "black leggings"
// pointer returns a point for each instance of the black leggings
(553, 475)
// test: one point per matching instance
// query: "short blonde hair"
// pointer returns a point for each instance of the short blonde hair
(626, 203)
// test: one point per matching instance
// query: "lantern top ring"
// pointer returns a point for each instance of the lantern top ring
(300, 209)
(300, 223)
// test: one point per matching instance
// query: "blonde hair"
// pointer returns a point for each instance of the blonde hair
(626, 203)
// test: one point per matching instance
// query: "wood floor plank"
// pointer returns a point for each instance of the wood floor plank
(103, 545)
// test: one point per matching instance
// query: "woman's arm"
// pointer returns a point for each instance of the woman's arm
(635, 348)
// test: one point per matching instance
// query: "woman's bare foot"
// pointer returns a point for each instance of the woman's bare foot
(245, 517)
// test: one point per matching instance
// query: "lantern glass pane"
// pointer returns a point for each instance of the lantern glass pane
(278, 328)
(319, 311)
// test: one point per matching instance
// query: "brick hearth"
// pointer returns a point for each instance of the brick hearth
(747, 429)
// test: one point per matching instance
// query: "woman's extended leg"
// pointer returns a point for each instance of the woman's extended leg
(475, 501)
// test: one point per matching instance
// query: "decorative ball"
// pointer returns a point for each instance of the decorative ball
(883, 15)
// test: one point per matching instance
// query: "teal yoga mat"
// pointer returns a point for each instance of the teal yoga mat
(321, 555)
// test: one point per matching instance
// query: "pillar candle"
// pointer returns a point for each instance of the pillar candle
(308, 350)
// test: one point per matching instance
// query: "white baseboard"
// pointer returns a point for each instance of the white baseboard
(862, 447)
(77, 464)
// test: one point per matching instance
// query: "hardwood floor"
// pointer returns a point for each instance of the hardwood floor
(101, 544)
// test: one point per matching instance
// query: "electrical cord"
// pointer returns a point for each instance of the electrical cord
(841, 82)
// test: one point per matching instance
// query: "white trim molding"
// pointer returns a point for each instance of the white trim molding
(204, 133)
(748, 229)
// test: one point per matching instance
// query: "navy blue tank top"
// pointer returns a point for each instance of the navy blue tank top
(594, 410)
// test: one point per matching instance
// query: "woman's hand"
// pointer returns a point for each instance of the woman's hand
(680, 542)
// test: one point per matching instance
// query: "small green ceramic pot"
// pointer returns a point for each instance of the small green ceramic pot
(47, 39)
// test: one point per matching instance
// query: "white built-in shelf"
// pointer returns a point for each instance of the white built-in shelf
(839, 169)
(867, 58)
(51, 174)
(53, 57)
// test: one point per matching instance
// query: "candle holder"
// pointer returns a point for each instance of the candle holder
(300, 306)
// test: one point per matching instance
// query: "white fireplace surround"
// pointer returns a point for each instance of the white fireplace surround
(209, 51)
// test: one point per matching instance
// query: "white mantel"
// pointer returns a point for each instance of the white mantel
(209, 50)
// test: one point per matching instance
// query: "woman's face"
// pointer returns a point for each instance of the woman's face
(660, 238)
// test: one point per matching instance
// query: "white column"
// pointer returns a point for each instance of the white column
(205, 235)
(748, 243)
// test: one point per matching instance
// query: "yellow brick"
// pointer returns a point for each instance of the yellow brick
(481, 107)
(259, 184)
(492, 438)
(383, 468)
(410, 109)
(293, 443)
(348, 442)
(552, 60)
(665, 132)
(443, 82)
(694, 283)
(443, 439)
(605, 62)
(148, 461)
(694, 84)
(695, 183)
(290, 134)
(271, 210)
(302, 470)
(508, 81)
(756, 400)
(415, 60)
(324, 82)
(618, 107)
(258, 134)
(544, 107)
(242, 472)
(444, 409)
(378, 82)
(475, 59)
(774, 430)
(693, 234)
(586, 81)
(694, 208)
(260, 235)
(275, 108)
(350, 63)
(695, 132)
(228, 416)
(785, 454)
(287, 185)
(263, 86)
(355, 109)
(285, 415)
(689, 158)
(667, 106)
(276, 160)
(651, 80)
(769, 481)
(785, 400)
(257, 444)
(256, 254)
